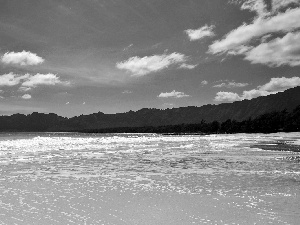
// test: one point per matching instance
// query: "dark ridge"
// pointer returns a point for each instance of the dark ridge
(278, 121)
(153, 118)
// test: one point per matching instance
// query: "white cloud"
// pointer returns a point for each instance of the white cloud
(280, 51)
(28, 81)
(172, 94)
(126, 48)
(284, 22)
(187, 66)
(254, 93)
(265, 8)
(148, 64)
(126, 92)
(67, 103)
(227, 96)
(11, 79)
(280, 84)
(281, 4)
(242, 50)
(274, 86)
(231, 85)
(259, 41)
(24, 89)
(23, 58)
(43, 79)
(204, 82)
(202, 32)
(26, 96)
(257, 6)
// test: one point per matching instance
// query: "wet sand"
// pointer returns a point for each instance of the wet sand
(148, 179)
(282, 145)
(98, 201)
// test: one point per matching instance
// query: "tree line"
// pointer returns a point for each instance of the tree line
(278, 121)
(286, 121)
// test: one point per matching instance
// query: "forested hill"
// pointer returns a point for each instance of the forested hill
(239, 111)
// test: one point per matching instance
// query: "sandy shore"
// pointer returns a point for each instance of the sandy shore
(101, 201)
(149, 180)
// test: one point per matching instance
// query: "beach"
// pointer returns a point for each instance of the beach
(70, 178)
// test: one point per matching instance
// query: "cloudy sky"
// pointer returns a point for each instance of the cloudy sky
(75, 57)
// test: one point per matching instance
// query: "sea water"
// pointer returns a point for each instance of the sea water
(71, 178)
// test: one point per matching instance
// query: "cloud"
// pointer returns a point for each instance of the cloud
(283, 22)
(126, 48)
(28, 81)
(227, 96)
(274, 86)
(254, 93)
(43, 79)
(187, 66)
(278, 52)
(257, 6)
(280, 84)
(280, 4)
(26, 96)
(11, 79)
(202, 32)
(23, 58)
(264, 8)
(24, 89)
(231, 85)
(67, 103)
(126, 92)
(272, 38)
(148, 64)
(172, 94)
(204, 82)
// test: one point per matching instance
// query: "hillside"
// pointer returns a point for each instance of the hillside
(239, 111)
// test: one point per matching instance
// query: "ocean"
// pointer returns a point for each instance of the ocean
(152, 179)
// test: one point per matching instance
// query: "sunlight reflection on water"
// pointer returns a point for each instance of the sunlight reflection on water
(64, 178)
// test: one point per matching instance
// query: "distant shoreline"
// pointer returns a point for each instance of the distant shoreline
(148, 121)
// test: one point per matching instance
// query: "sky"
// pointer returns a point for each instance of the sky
(73, 57)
